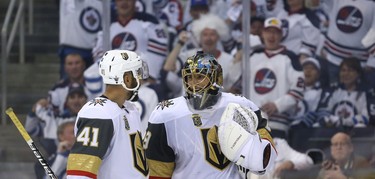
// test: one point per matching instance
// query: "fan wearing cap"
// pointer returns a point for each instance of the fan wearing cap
(315, 94)
(276, 78)
(43, 122)
(108, 128)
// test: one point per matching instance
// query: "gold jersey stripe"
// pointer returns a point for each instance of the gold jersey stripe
(264, 134)
(160, 169)
(83, 162)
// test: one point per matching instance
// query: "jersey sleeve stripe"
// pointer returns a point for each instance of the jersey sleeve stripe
(264, 134)
(152, 41)
(84, 163)
(160, 169)
(81, 173)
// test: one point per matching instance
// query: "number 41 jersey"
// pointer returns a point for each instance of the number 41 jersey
(108, 142)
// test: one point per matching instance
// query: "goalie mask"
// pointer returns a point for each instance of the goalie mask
(115, 63)
(202, 79)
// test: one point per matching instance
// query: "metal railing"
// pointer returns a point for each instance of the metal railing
(7, 43)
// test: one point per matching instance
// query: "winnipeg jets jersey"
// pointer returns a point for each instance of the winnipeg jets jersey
(142, 34)
(182, 143)
(108, 142)
(349, 22)
(276, 77)
(299, 34)
(349, 106)
(79, 22)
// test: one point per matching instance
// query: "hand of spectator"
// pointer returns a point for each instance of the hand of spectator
(269, 108)
(238, 56)
(287, 165)
(234, 11)
(330, 121)
(41, 102)
(64, 146)
(183, 36)
(334, 173)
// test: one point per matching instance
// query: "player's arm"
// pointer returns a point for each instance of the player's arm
(245, 140)
(160, 156)
(93, 137)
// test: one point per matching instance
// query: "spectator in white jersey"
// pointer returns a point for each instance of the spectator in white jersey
(197, 7)
(139, 32)
(300, 35)
(74, 68)
(208, 29)
(108, 128)
(170, 13)
(350, 104)
(43, 122)
(276, 78)
(79, 23)
(316, 92)
(350, 33)
(195, 135)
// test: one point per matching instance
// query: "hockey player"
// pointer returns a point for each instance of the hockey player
(208, 29)
(194, 136)
(108, 138)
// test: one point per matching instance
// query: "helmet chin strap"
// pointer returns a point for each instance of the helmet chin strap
(134, 97)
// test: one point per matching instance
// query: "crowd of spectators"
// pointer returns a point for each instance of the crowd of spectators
(312, 65)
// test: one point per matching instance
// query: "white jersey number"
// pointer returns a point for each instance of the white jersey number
(84, 136)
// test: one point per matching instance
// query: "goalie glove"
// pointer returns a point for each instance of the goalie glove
(240, 142)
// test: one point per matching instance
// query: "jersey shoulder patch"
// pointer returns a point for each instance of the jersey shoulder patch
(168, 110)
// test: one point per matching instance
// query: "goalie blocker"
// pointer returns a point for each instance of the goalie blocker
(242, 143)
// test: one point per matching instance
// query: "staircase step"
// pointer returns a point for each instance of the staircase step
(19, 170)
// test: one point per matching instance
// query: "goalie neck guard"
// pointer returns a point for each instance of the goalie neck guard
(202, 79)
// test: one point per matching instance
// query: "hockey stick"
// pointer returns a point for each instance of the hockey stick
(30, 142)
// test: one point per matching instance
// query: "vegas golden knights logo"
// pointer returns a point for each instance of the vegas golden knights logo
(139, 156)
(197, 120)
(213, 153)
(125, 56)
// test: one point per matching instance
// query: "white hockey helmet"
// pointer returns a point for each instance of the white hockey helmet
(115, 63)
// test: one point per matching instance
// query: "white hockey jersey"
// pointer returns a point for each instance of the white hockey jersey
(350, 107)
(79, 22)
(142, 34)
(182, 142)
(299, 34)
(349, 22)
(276, 77)
(108, 142)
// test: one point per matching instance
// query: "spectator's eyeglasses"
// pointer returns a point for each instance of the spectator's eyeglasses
(344, 144)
